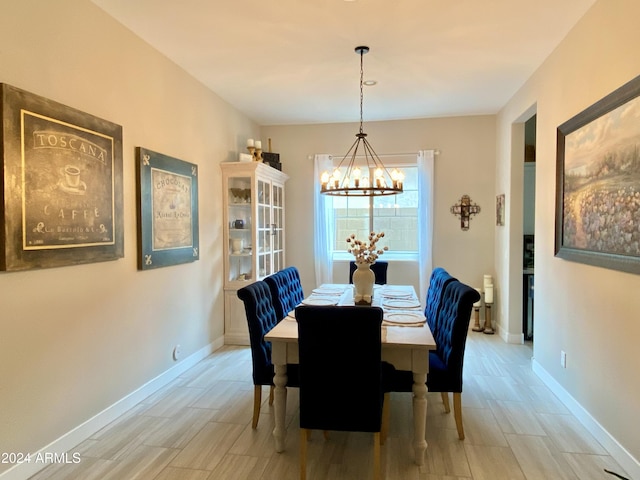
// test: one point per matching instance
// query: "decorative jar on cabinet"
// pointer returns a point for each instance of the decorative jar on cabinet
(253, 200)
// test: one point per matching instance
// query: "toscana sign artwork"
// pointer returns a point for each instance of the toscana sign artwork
(62, 184)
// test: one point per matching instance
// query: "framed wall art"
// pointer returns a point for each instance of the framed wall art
(62, 184)
(167, 210)
(500, 210)
(598, 183)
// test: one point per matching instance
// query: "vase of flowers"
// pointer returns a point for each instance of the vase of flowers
(365, 253)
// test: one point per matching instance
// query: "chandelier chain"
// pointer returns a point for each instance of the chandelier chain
(361, 88)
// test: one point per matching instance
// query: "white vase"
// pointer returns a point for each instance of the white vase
(236, 245)
(363, 280)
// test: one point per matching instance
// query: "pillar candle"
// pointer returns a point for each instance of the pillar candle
(488, 280)
(479, 302)
(250, 142)
(488, 294)
(258, 144)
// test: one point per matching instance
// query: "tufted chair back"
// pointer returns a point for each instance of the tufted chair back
(261, 317)
(440, 278)
(445, 364)
(286, 290)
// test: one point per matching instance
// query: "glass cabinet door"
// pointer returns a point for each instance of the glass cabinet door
(277, 227)
(240, 224)
(264, 229)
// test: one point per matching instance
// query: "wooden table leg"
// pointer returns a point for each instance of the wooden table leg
(419, 416)
(280, 405)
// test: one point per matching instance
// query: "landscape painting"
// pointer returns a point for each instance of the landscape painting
(598, 204)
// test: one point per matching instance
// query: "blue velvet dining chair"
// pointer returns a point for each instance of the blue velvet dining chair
(439, 279)
(447, 361)
(286, 290)
(261, 317)
(343, 381)
(379, 268)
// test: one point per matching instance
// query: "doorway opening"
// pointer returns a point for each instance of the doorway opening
(528, 228)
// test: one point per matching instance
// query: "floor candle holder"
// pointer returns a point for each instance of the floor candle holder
(476, 309)
(488, 329)
(476, 324)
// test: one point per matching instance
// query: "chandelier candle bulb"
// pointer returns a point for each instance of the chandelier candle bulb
(324, 180)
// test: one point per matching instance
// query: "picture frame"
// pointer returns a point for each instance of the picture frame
(500, 199)
(598, 183)
(62, 185)
(167, 208)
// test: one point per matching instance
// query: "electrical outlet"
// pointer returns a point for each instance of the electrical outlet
(563, 359)
(177, 352)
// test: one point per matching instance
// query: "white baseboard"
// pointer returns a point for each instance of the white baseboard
(83, 431)
(617, 451)
(517, 338)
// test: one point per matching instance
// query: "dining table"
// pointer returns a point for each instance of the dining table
(406, 342)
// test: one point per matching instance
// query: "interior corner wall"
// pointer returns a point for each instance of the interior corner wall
(465, 165)
(76, 339)
(590, 313)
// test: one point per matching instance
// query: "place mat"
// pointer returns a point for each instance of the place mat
(404, 318)
(401, 303)
(320, 301)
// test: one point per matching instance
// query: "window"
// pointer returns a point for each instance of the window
(396, 215)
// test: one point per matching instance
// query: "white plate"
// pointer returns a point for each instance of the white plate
(319, 301)
(328, 291)
(390, 293)
(404, 317)
(401, 303)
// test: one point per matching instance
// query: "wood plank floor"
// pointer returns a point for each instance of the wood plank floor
(199, 428)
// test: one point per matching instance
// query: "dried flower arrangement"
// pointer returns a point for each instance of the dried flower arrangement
(363, 251)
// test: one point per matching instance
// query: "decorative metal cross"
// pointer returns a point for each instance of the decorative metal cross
(464, 209)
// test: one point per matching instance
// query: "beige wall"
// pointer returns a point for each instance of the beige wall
(76, 339)
(590, 313)
(465, 166)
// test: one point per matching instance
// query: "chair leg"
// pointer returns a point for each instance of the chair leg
(376, 456)
(257, 400)
(304, 435)
(271, 395)
(457, 413)
(386, 409)
(445, 401)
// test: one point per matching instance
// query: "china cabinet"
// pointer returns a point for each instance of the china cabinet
(253, 201)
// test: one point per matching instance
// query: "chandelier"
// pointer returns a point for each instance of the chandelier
(348, 179)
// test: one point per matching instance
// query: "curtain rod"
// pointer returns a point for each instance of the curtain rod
(410, 154)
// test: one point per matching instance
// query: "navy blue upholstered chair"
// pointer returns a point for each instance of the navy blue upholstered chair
(446, 362)
(332, 396)
(286, 290)
(261, 317)
(379, 268)
(440, 278)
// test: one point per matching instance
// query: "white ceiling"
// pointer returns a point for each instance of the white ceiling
(293, 61)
